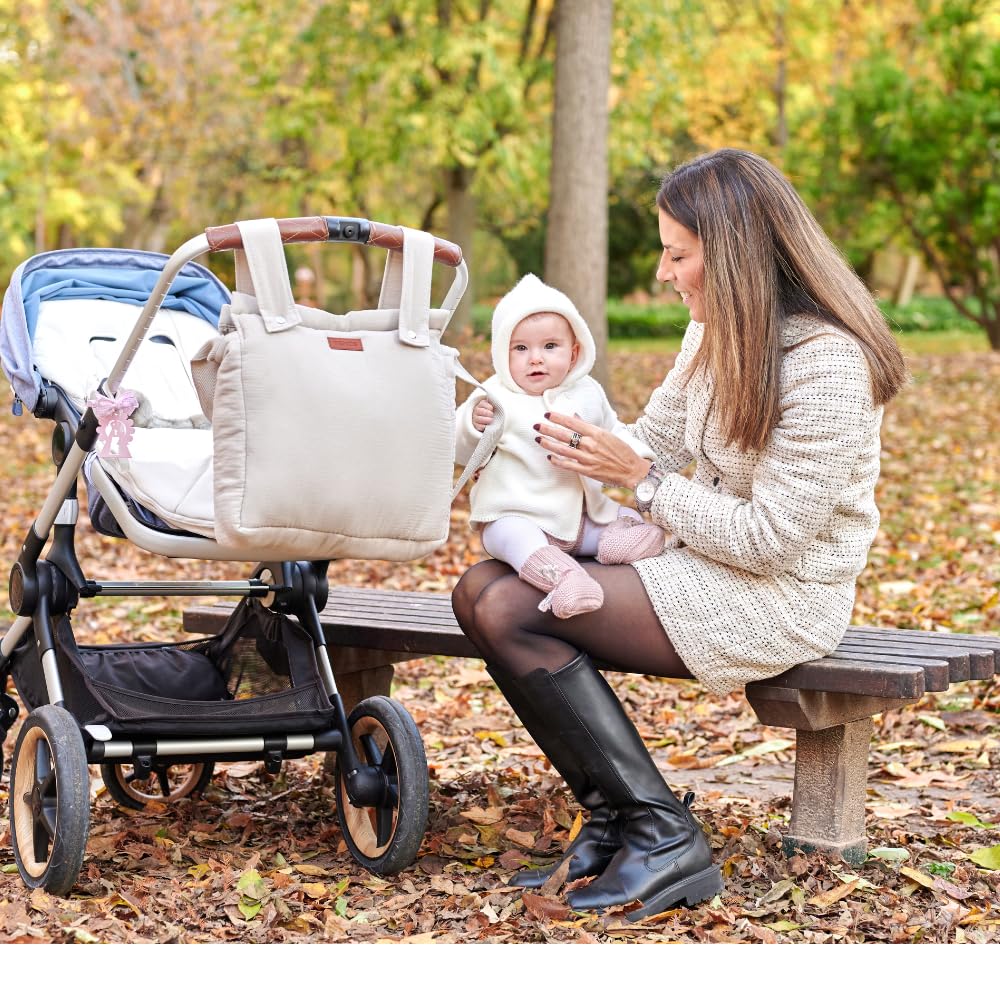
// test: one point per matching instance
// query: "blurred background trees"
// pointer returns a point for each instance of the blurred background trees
(141, 122)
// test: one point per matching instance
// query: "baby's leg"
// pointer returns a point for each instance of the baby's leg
(513, 539)
(522, 544)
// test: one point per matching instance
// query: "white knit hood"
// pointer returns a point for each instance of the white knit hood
(527, 297)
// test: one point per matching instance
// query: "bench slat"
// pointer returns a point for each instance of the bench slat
(983, 660)
(937, 673)
(854, 677)
(958, 661)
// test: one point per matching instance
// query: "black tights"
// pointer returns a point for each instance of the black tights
(499, 613)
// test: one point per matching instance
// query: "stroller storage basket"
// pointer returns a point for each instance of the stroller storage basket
(170, 689)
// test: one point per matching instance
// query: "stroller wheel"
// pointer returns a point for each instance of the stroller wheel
(49, 800)
(164, 784)
(385, 837)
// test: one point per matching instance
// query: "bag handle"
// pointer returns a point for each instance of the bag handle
(406, 286)
(491, 436)
(261, 271)
(413, 270)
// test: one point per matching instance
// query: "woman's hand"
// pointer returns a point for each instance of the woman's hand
(597, 454)
(482, 415)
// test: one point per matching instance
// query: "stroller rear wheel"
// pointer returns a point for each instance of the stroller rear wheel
(49, 800)
(164, 784)
(386, 836)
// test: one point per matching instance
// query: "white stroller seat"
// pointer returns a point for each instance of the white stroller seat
(76, 344)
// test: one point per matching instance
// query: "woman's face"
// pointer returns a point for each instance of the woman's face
(682, 265)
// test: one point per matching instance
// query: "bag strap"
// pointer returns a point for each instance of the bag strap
(261, 271)
(406, 286)
(491, 436)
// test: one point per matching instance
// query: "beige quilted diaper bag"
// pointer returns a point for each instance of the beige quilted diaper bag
(333, 435)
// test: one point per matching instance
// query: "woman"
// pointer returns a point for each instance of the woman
(777, 395)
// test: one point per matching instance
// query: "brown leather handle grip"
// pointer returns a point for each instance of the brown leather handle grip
(309, 230)
(321, 229)
(391, 237)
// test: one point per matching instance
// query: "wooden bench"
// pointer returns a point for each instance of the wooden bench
(829, 702)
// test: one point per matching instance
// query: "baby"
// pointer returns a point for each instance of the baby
(534, 516)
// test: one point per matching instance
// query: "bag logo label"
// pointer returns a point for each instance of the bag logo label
(345, 343)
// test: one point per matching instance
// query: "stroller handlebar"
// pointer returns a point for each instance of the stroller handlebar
(334, 229)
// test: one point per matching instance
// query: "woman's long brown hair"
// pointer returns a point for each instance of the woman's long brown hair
(766, 259)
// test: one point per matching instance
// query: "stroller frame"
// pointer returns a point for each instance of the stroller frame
(369, 783)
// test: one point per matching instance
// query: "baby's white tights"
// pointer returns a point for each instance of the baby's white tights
(513, 539)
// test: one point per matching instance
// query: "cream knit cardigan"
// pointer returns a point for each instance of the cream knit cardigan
(766, 545)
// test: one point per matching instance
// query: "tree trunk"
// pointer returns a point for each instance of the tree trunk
(576, 244)
(461, 226)
(907, 280)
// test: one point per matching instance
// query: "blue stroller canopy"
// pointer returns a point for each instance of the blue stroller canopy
(117, 275)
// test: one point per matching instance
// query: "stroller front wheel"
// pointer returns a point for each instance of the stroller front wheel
(49, 800)
(165, 783)
(385, 837)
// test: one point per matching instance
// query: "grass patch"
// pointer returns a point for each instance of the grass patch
(923, 326)
(912, 344)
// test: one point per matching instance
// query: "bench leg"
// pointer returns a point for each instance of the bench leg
(828, 804)
(356, 687)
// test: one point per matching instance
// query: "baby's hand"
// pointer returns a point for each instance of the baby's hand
(482, 415)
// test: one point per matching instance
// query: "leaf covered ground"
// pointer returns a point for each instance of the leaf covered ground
(261, 859)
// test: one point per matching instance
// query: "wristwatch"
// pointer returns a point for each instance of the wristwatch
(646, 489)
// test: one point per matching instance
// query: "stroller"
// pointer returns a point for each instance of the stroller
(156, 717)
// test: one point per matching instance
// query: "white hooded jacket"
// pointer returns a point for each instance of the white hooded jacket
(518, 479)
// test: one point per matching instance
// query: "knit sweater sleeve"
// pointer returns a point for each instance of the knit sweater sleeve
(466, 436)
(662, 423)
(799, 477)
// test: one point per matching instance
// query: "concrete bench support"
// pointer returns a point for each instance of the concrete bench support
(832, 737)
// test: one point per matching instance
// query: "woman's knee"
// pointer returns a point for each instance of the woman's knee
(469, 588)
(503, 609)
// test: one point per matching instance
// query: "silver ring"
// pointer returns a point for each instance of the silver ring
(575, 439)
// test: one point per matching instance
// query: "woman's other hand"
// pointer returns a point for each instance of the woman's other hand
(482, 415)
(590, 451)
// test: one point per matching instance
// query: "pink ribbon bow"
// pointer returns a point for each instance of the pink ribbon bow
(115, 428)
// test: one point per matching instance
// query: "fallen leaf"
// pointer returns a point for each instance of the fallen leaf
(576, 827)
(486, 817)
(758, 750)
(834, 895)
(919, 877)
(776, 891)
(545, 907)
(522, 837)
(966, 746)
(890, 853)
(892, 810)
(987, 857)
(310, 870)
(969, 819)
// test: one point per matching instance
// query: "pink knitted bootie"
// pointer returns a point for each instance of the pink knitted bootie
(627, 540)
(570, 589)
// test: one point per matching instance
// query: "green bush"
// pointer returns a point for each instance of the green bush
(627, 320)
(924, 314)
(624, 320)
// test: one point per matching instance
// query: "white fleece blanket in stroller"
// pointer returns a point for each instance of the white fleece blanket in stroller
(74, 343)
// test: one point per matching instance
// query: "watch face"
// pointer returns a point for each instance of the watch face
(645, 490)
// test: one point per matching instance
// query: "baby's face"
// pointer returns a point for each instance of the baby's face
(543, 351)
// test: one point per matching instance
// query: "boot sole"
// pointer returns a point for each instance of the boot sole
(692, 890)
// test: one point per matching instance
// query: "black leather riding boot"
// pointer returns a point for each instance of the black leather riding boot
(665, 858)
(599, 838)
